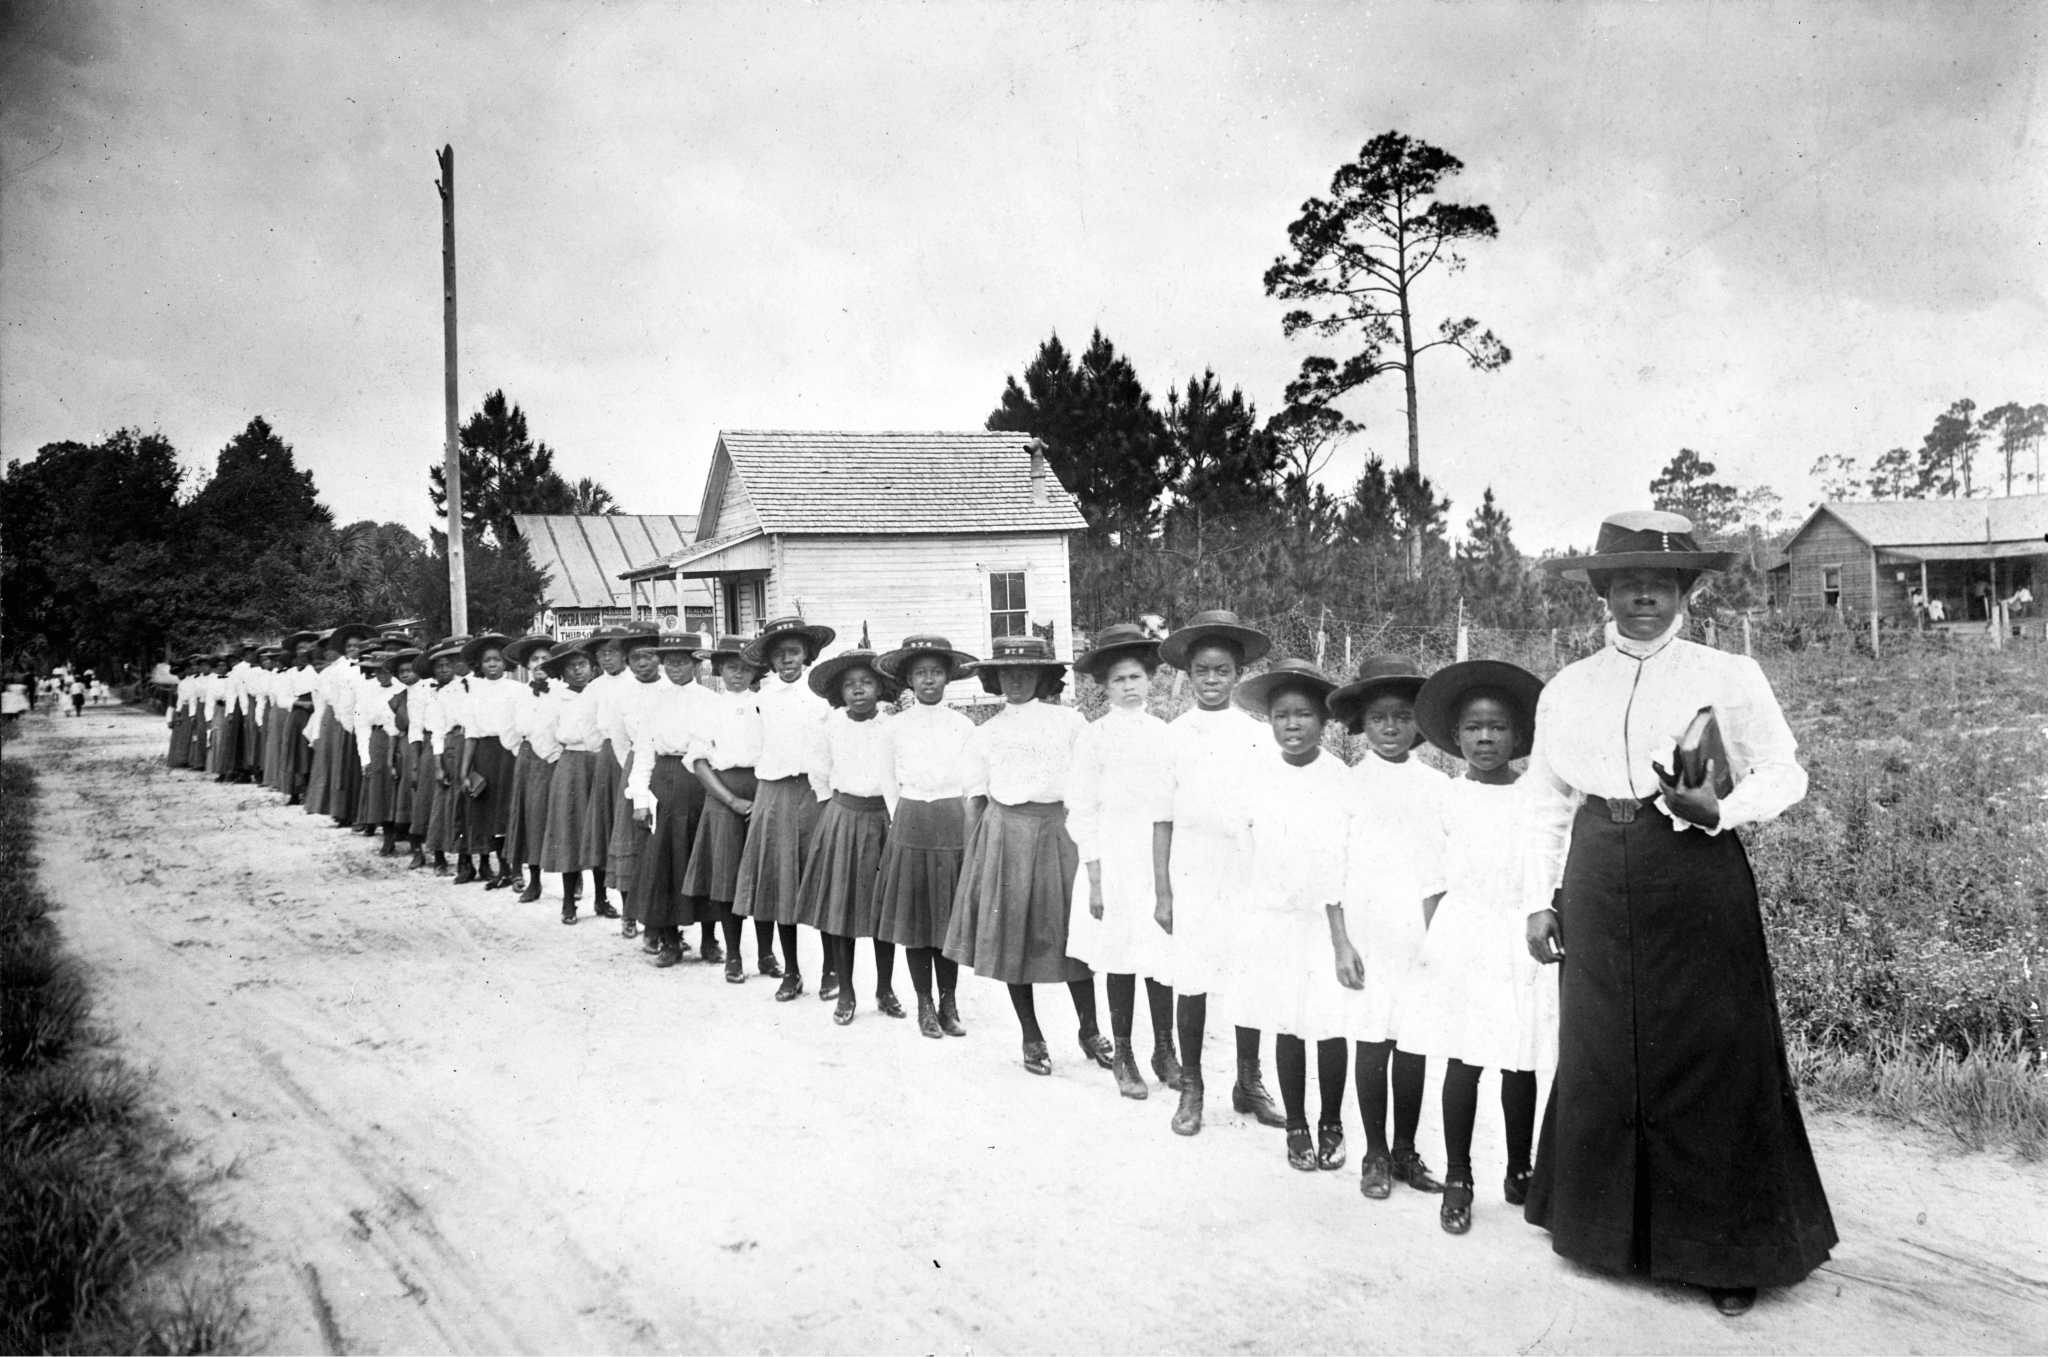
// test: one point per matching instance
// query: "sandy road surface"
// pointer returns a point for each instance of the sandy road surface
(443, 1122)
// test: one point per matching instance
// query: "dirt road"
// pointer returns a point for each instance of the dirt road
(445, 1123)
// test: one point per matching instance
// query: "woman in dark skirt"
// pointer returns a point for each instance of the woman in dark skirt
(730, 742)
(490, 728)
(376, 728)
(181, 715)
(623, 707)
(1673, 1144)
(531, 772)
(856, 780)
(667, 800)
(441, 747)
(423, 707)
(785, 808)
(298, 756)
(609, 648)
(565, 839)
(921, 861)
(1017, 871)
(404, 760)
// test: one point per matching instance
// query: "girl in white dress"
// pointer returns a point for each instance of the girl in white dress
(1120, 805)
(1401, 804)
(1477, 999)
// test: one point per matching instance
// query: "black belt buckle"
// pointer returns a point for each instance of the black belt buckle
(1622, 812)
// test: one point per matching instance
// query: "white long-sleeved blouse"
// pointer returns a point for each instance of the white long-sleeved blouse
(1023, 753)
(1604, 719)
(731, 730)
(1123, 767)
(374, 713)
(452, 708)
(858, 758)
(576, 724)
(792, 729)
(1403, 806)
(538, 723)
(1304, 824)
(930, 741)
(670, 722)
(491, 711)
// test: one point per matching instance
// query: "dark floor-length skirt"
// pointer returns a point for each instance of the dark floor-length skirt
(564, 841)
(1673, 1142)
(656, 895)
(344, 778)
(490, 811)
(837, 891)
(220, 744)
(715, 853)
(181, 739)
(528, 822)
(195, 749)
(778, 845)
(249, 749)
(443, 800)
(607, 786)
(1016, 887)
(403, 787)
(920, 872)
(299, 754)
(319, 782)
(273, 746)
(626, 842)
(374, 802)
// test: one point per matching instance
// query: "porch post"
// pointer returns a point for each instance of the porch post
(1924, 593)
(1874, 603)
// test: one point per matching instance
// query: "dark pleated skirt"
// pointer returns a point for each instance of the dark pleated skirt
(443, 831)
(1673, 1142)
(344, 779)
(656, 894)
(601, 808)
(778, 845)
(220, 743)
(715, 853)
(1016, 887)
(564, 841)
(181, 739)
(423, 788)
(379, 790)
(250, 748)
(319, 784)
(299, 754)
(273, 747)
(527, 825)
(490, 812)
(920, 872)
(195, 748)
(837, 892)
(402, 798)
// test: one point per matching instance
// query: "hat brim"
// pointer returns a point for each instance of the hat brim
(1347, 702)
(815, 638)
(824, 677)
(351, 631)
(959, 664)
(1699, 562)
(1102, 657)
(522, 650)
(1444, 690)
(1251, 645)
(990, 671)
(473, 653)
(1256, 694)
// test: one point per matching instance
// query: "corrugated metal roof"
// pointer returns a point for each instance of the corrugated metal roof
(584, 554)
(1930, 522)
(896, 482)
(693, 553)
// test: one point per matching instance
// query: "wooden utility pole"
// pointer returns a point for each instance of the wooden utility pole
(458, 576)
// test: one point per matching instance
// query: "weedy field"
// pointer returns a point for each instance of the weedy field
(1905, 897)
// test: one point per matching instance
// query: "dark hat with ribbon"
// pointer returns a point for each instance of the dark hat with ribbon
(521, 652)
(824, 677)
(1215, 625)
(896, 663)
(406, 658)
(631, 634)
(679, 642)
(373, 661)
(299, 638)
(729, 647)
(473, 652)
(1119, 640)
(1016, 652)
(1377, 674)
(558, 659)
(348, 631)
(1256, 694)
(815, 638)
(1444, 692)
(1636, 538)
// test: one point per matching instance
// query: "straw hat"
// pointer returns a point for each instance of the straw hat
(1117, 641)
(1377, 674)
(825, 675)
(679, 642)
(341, 635)
(1445, 691)
(815, 637)
(558, 659)
(896, 663)
(1217, 624)
(1256, 694)
(1017, 652)
(1642, 537)
(299, 638)
(728, 647)
(473, 653)
(408, 658)
(521, 651)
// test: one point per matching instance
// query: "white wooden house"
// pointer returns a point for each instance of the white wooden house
(965, 534)
(582, 555)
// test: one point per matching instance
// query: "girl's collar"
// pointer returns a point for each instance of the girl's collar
(1643, 650)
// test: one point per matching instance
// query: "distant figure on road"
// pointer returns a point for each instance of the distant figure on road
(14, 701)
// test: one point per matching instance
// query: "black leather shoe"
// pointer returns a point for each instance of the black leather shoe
(843, 1012)
(949, 1017)
(792, 986)
(531, 893)
(769, 967)
(1098, 1048)
(887, 1005)
(1301, 1149)
(569, 911)
(1408, 1167)
(1376, 1177)
(828, 987)
(1037, 1060)
(465, 872)
(604, 909)
(736, 971)
(1455, 1212)
(1515, 1188)
(1330, 1145)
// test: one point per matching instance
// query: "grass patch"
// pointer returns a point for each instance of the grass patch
(91, 1208)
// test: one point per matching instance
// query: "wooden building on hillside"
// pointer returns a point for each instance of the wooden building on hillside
(583, 555)
(965, 534)
(1958, 552)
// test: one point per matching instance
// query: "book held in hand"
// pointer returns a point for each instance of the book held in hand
(1699, 745)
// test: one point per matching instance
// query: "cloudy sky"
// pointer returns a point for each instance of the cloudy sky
(1764, 231)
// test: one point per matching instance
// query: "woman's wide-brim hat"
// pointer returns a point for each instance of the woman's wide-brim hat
(1256, 694)
(473, 653)
(1218, 624)
(1638, 538)
(299, 638)
(679, 643)
(895, 663)
(558, 659)
(521, 652)
(631, 635)
(347, 632)
(1446, 690)
(815, 638)
(448, 647)
(371, 661)
(730, 647)
(1119, 640)
(824, 677)
(1377, 674)
(1017, 652)
(408, 658)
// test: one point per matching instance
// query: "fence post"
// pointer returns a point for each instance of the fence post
(1746, 633)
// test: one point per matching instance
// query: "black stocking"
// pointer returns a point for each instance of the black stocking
(730, 925)
(1027, 1012)
(839, 961)
(949, 974)
(764, 939)
(1371, 1074)
(1248, 1046)
(1461, 1106)
(533, 877)
(598, 885)
(1519, 1115)
(1191, 1012)
(1159, 1002)
(1330, 1079)
(1083, 993)
(788, 933)
(885, 967)
(1291, 1064)
(1123, 991)
(1407, 1080)
(572, 886)
(920, 959)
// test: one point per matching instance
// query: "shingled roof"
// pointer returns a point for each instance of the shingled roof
(812, 482)
(1943, 522)
(584, 554)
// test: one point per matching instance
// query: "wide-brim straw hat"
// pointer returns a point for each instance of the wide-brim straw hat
(473, 653)
(558, 658)
(407, 658)
(1637, 538)
(519, 652)
(896, 662)
(730, 647)
(1017, 652)
(371, 661)
(1116, 642)
(349, 631)
(814, 636)
(1444, 691)
(1217, 624)
(1377, 674)
(1256, 694)
(299, 638)
(824, 677)
(679, 642)
(631, 635)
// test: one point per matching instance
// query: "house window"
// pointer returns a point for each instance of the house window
(1007, 611)
(1831, 586)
